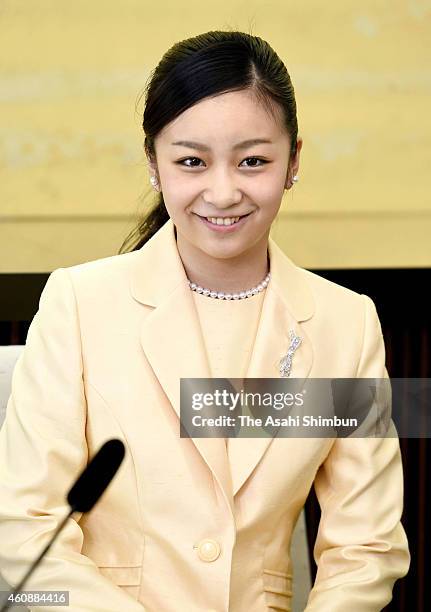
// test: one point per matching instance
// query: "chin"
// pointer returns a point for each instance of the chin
(223, 252)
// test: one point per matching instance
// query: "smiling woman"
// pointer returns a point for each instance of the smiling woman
(200, 523)
(223, 202)
(221, 138)
(238, 111)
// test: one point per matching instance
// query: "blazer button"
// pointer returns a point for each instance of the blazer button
(208, 550)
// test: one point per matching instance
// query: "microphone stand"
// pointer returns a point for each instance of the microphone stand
(82, 496)
(33, 566)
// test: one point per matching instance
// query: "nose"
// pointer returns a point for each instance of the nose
(222, 191)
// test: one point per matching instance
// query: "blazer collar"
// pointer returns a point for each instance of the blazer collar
(173, 344)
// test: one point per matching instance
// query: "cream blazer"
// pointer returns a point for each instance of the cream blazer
(183, 527)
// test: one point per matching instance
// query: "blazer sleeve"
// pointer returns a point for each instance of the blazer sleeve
(361, 547)
(42, 450)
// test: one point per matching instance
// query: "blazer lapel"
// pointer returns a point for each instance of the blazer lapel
(174, 346)
(171, 336)
(287, 303)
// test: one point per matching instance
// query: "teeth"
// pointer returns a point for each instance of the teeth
(220, 221)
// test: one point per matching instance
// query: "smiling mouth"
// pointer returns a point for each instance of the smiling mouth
(227, 217)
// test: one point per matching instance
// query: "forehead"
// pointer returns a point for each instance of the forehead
(228, 117)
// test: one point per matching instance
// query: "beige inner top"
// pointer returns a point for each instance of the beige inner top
(229, 330)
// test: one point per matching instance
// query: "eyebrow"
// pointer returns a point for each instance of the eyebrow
(240, 145)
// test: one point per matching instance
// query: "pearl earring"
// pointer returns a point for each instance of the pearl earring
(154, 182)
(295, 179)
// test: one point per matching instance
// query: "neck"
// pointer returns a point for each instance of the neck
(230, 275)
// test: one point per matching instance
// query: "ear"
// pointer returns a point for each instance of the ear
(295, 160)
(151, 161)
(294, 164)
(152, 168)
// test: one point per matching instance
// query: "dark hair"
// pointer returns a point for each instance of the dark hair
(206, 65)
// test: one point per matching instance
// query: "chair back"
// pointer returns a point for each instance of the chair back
(8, 358)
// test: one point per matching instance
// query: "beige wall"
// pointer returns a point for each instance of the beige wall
(71, 161)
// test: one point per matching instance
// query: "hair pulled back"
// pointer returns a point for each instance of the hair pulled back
(203, 66)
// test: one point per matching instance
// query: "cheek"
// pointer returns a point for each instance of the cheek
(179, 193)
(267, 190)
(269, 201)
(177, 201)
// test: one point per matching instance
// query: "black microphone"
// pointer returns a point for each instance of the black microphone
(96, 476)
(82, 496)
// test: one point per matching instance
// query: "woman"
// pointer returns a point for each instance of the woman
(199, 524)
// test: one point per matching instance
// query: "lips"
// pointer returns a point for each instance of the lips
(227, 216)
(221, 228)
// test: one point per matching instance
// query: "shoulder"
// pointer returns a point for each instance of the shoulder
(113, 264)
(328, 299)
(339, 308)
(311, 296)
(98, 278)
(325, 290)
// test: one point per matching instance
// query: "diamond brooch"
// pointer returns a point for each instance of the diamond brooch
(286, 361)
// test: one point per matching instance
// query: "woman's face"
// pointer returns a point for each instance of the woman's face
(213, 176)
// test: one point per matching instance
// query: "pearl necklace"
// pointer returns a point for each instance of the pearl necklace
(220, 295)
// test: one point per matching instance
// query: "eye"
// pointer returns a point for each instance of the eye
(181, 162)
(256, 159)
